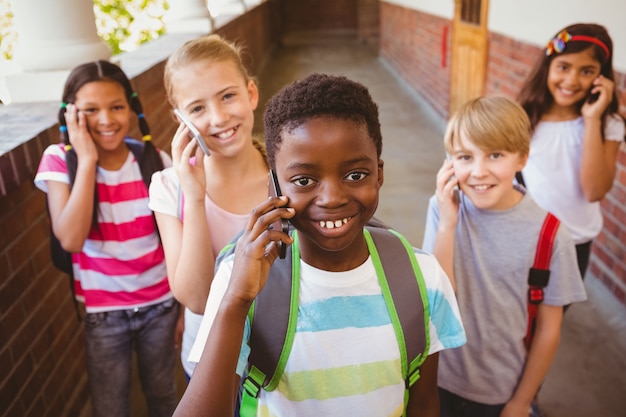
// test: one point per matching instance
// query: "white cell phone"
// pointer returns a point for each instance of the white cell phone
(194, 131)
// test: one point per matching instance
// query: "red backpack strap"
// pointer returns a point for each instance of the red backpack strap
(539, 274)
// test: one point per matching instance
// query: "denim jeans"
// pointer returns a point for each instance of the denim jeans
(111, 338)
(454, 406)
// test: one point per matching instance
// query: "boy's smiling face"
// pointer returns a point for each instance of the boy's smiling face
(329, 169)
(486, 177)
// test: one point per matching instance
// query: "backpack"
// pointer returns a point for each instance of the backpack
(61, 259)
(539, 274)
(273, 319)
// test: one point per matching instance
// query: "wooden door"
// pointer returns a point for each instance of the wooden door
(469, 51)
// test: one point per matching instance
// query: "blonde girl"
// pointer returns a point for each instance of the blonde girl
(203, 201)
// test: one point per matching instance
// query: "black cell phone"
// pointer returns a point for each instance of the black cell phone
(592, 97)
(280, 224)
(194, 131)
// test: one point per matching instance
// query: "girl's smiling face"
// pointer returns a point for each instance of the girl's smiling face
(486, 177)
(329, 169)
(216, 98)
(570, 77)
(107, 113)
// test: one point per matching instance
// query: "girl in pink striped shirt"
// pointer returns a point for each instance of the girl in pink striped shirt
(97, 194)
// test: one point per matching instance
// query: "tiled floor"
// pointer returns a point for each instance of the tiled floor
(588, 377)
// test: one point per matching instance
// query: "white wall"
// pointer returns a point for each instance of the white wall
(536, 21)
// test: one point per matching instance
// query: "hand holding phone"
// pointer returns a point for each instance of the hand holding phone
(194, 131)
(280, 224)
(592, 97)
(455, 190)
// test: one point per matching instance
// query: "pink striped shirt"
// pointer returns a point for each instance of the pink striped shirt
(122, 264)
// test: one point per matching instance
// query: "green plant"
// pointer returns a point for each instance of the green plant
(126, 24)
(7, 31)
(122, 24)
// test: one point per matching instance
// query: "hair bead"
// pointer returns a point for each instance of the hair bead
(67, 148)
(147, 138)
(63, 104)
(62, 128)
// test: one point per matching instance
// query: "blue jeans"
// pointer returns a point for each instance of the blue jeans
(111, 338)
(454, 406)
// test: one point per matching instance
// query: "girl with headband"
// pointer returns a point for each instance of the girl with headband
(97, 194)
(572, 104)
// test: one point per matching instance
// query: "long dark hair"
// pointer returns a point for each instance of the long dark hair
(150, 161)
(535, 97)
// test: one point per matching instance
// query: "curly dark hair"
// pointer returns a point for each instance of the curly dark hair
(319, 95)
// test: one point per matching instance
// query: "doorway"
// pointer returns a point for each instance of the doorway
(469, 51)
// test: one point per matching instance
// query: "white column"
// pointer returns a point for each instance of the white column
(188, 16)
(53, 37)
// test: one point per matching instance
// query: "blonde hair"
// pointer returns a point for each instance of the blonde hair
(210, 48)
(491, 123)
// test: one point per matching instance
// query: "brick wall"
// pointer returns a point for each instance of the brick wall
(319, 15)
(42, 369)
(415, 46)
(509, 62)
(368, 22)
(42, 341)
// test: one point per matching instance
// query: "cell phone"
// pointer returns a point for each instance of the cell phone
(592, 97)
(455, 190)
(194, 131)
(280, 224)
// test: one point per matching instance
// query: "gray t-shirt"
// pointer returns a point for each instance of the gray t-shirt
(493, 251)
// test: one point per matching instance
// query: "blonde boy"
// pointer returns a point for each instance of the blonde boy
(486, 240)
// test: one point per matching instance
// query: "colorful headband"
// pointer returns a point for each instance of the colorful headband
(558, 43)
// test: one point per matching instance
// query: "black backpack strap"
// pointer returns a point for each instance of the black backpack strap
(136, 147)
(271, 318)
(62, 260)
(409, 297)
(539, 274)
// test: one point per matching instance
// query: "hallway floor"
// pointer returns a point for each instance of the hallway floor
(588, 376)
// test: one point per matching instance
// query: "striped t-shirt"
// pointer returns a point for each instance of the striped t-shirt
(122, 264)
(345, 359)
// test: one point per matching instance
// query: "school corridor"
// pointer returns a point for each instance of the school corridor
(588, 377)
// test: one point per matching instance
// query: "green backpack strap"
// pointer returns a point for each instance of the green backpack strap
(406, 299)
(273, 321)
